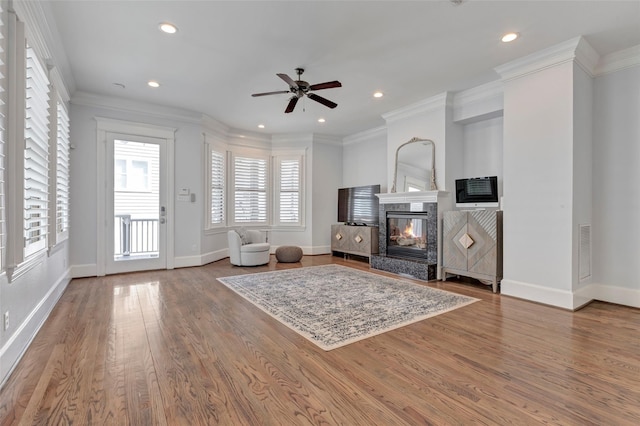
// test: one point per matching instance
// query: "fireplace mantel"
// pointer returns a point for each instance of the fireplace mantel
(412, 197)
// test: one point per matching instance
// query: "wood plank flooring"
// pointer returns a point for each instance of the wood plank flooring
(179, 348)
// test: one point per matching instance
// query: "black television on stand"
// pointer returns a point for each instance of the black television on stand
(359, 205)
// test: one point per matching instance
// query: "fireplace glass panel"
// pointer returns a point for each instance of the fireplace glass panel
(407, 235)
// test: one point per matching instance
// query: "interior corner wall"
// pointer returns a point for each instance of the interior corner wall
(538, 192)
(365, 162)
(582, 171)
(482, 149)
(326, 179)
(616, 197)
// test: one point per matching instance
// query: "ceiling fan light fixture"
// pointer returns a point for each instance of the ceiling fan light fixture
(509, 37)
(169, 28)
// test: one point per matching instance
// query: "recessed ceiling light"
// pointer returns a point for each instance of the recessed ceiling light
(509, 37)
(261, 126)
(321, 120)
(153, 83)
(378, 94)
(168, 28)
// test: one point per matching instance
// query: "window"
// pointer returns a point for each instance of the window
(132, 175)
(288, 198)
(250, 190)
(36, 156)
(216, 203)
(62, 172)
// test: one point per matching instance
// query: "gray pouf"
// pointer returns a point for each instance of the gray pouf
(288, 254)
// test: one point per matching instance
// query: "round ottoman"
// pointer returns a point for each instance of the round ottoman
(288, 254)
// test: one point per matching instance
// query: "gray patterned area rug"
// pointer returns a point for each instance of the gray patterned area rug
(335, 305)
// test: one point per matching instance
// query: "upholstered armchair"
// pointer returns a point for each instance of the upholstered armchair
(248, 248)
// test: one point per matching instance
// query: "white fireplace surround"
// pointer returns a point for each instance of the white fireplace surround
(412, 197)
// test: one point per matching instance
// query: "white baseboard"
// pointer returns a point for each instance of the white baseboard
(537, 293)
(199, 260)
(571, 300)
(81, 271)
(14, 348)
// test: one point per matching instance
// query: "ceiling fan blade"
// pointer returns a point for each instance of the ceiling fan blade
(292, 104)
(288, 80)
(323, 101)
(270, 93)
(327, 85)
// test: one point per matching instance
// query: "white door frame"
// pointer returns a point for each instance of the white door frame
(108, 125)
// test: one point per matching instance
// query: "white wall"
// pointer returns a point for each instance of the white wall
(616, 194)
(188, 218)
(327, 178)
(482, 149)
(364, 159)
(538, 198)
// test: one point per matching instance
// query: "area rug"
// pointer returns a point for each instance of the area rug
(335, 305)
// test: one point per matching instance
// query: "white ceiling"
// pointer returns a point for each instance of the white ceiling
(226, 50)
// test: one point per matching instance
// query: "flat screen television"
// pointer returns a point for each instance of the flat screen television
(358, 205)
(479, 192)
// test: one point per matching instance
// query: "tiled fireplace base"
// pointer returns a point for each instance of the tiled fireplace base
(421, 270)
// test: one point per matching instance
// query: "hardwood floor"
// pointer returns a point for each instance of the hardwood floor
(179, 348)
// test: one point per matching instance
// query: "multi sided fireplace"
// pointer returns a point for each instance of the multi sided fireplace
(407, 234)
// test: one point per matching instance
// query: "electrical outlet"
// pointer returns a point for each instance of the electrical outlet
(6, 320)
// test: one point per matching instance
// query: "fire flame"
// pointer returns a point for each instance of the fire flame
(408, 230)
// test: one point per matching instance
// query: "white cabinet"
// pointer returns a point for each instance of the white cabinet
(472, 245)
(357, 240)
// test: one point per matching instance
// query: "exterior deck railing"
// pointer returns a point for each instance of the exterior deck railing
(135, 236)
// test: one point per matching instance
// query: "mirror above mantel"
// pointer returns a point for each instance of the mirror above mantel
(415, 166)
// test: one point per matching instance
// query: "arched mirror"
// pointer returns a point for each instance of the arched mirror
(415, 166)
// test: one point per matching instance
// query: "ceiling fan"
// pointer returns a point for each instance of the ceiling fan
(299, 88)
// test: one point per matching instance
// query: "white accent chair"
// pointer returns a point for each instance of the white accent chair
(252, 253)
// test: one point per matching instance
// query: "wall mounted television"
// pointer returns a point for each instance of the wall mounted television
(478, 192)
(358, 205)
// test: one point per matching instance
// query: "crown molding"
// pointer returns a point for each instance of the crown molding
(431, 104)
(618, 61)
(327, 140)
(43, 36)
(126, 105)
(479, 102)
(576, 49)
(364, 136)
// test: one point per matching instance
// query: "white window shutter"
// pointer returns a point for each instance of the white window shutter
(36, 156)
(289, 191)
(250, 190)
(216, 188)
(62, 173)
(3, 124)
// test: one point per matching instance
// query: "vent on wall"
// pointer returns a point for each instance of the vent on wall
(585, 252)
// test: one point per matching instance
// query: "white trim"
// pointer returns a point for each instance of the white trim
(537, 293)
(81, 271)
(575, 50)
(200, 260)
(108, 125)
(364, 136)
(618, 61)
(15, 347)
(430, 104)
(479, 103)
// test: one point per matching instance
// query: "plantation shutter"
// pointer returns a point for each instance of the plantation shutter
(62, 173)
(216, 183)
(36, 156)
(250, 185)
(289, 191)
(3, 106)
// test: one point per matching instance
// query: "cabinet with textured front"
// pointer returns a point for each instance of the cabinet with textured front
(472, 245)
(356, 240)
